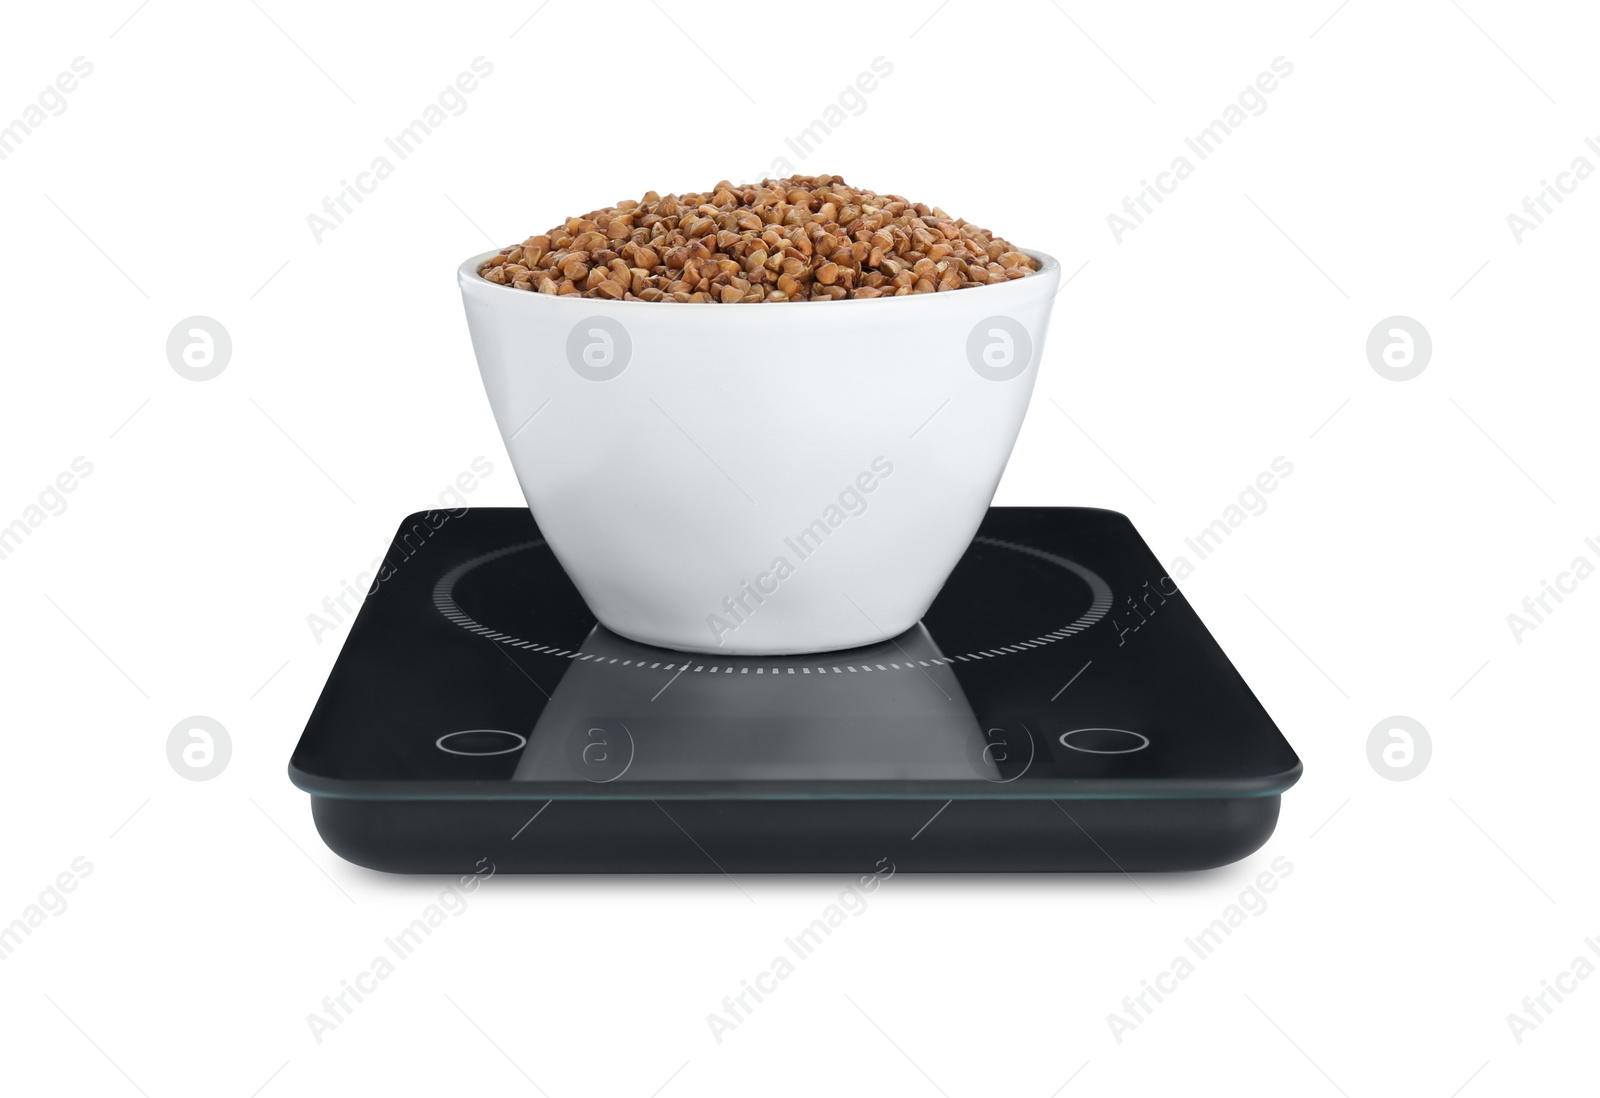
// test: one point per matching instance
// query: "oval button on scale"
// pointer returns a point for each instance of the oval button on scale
(481, 741)
(1105, 741)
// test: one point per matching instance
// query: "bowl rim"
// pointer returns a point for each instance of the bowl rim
(1049, 271)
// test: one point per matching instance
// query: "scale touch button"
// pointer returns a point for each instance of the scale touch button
(481, 741)
(1105, 741)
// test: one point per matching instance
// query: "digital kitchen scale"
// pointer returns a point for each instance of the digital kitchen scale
(1060, 707)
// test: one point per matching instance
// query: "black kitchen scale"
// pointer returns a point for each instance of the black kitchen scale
(1060, 707)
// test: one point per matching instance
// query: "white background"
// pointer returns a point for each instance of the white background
(1222, 333)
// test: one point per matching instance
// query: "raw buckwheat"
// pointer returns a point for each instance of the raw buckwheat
(805, 238)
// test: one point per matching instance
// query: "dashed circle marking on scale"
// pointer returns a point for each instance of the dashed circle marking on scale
(1100, 605)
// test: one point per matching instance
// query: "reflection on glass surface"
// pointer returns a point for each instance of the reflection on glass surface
(768, 718)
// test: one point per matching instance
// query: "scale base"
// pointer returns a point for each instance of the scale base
(1059, 708)
(794, 836)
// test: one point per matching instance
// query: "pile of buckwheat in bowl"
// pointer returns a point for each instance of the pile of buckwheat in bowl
(804, 238)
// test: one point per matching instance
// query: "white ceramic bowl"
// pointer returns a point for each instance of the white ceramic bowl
(760, 478)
